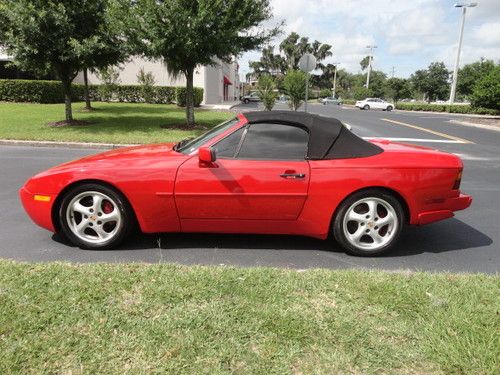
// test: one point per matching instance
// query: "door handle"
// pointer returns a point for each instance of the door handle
(292, 175)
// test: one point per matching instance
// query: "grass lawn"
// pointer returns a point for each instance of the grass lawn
(110, 123)
(143, 319)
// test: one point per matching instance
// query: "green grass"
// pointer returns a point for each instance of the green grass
(148, 319)
(110, 123)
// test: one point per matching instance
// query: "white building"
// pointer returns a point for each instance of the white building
(220, 82)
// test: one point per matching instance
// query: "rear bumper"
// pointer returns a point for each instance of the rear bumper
(39, 211)
(451, 204)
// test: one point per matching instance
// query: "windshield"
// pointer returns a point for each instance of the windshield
(189, 145)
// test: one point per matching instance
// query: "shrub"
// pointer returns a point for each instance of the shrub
(456, 108)
(325, 93)
(110, 78)
(360, 93)
(38, 91)
(266, 91)
(147, 81)
(487, 90)
(295, 88)
(180, 96)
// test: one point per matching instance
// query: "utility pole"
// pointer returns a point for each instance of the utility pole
(370, 58)
(334, 79)
(392, 72)
(464, 7)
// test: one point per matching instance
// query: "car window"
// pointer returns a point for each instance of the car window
(269, 141)
(227, 147)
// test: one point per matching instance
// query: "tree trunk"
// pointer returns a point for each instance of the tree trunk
(86, 90)
(66, 84)
(189, 97)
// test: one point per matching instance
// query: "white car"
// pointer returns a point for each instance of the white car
(374, 103)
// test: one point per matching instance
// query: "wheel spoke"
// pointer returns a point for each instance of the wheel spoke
(96, 202)
(80, 228)
(101, 233)
(377, 238)
(356, 236)
(354, 216)
(113, 216)
(78, 207)
(388, 219)
(372, 208)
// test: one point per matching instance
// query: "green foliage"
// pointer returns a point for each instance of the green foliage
(147, 81)
(62, 36)
(433, 82)
(110, 77)
(487, 90)
(325, 93)
(37, 91)
(266, 91)
(470, 74)
(455, 108)
(186, 34)
(360, 93)
(398, 88)
(364, 62)
(294, 47)
(180, 96)
(295, 87)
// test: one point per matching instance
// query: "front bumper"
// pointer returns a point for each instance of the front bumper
(451, 204)
(40, 211)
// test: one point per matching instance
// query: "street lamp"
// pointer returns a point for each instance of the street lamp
(334, 78)
(370, 58)
(464, 7)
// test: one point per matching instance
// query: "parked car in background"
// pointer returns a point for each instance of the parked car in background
(374, 103)
(331, 100)
(252, 97)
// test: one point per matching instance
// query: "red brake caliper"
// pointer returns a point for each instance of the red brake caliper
(107, 207)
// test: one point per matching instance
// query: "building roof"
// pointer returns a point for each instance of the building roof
(328, 137)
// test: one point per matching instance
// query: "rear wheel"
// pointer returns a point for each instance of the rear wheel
(366, 106)
(368, 223)
(246, 101)
(94, 216)
(389, 108)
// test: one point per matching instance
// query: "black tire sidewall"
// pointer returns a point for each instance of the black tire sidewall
(121, 205)
(338, 232)
(389, 108)
(366, 107)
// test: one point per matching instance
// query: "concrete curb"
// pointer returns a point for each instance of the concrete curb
(482, 126)
(449, 114)
(98, 146)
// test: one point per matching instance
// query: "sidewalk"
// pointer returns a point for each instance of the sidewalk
(221, 106)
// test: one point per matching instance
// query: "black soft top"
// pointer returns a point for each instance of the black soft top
(328, 137)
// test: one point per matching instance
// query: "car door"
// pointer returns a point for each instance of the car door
(260, 173)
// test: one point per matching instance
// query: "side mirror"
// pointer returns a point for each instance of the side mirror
(206, 156)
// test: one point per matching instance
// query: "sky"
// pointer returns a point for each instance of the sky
(409, 34)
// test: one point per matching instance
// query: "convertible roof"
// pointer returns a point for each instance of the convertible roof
(328, 137)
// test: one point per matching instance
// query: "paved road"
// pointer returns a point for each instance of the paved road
(467, 243)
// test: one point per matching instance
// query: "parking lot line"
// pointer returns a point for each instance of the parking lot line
(428, 131)
(424, 140)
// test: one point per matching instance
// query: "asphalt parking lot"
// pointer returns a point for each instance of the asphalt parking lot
(467, 243)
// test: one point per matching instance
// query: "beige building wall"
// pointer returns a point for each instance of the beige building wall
(210, 78)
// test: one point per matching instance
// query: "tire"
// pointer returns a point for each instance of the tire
(246, 101)
(367, 107)
(355, 224)
(389, 108)
(105, 224)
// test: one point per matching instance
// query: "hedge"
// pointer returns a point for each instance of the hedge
(454, 108)
(39, 91)
(180, 96)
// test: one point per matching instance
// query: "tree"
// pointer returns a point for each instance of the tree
(188, 33)
(269, 63)
(147, 81)
(294, 47)
(470, 74)
(364, 62)
(45, 36)
(487, 90)
(433, 82)
(377, 83)
(397, 88)
(266, 91)
(295, 88)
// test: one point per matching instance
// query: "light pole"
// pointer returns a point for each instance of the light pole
(464, 7)
(334, 79)
(370, 58)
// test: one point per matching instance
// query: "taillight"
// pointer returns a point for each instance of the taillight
(456, 185)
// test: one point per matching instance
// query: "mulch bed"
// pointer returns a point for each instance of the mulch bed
(60, 124)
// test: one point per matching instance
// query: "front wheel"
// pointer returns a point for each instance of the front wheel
(93, 216)
(366, 107)
(368, 223)
(389, 108)
(246, 101)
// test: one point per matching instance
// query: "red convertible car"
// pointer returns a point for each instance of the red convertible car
(277, 172)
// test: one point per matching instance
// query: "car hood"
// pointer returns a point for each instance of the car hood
(120, 158)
